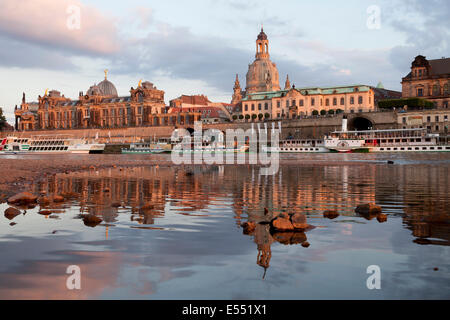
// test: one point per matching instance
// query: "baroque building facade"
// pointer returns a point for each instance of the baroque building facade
(100, 107)
(429, 79)
(264, 99)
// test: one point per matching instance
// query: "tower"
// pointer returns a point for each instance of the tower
(262, 46)
(287, 84)
(237, 93)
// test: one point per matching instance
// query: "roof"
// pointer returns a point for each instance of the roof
(308, 91)
(436, 67)
(440, 66)
(207, 112)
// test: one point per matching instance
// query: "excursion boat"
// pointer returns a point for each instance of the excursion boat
(160, 146)
(389, 140)
(49, 144)
(144, 148)
(298, 146)
(208, 148)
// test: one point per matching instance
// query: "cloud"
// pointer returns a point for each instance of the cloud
(425, 25)
(17, 54)
(46, 23)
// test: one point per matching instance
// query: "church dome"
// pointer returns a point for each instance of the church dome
(107, 88)
(262, 74)
(94, 91)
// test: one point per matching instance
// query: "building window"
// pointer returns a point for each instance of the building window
(266, 106)
(420, 72)
(294, 103)
(437, 118)
(446, 89)
(253, 107)
(404, 120)
(435, 90)
(428, 119)
(301, 102)
(342, 101)
(334, 101)
(246, 107)
(420, 92)
(287, 103)
(352, 100)
(312, 101)
(327, 102)
(360, 100)
(259, 106)
(278, 104)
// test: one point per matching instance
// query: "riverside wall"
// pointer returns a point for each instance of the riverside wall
(311, 127)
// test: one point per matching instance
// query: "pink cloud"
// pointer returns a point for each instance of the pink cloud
(45, 22)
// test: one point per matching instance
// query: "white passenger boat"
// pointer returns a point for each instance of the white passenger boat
(388, 140)
(144, 148)
(49, 144)
(208, 148)
(298, 146)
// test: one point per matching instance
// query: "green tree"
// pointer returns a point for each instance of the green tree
(260, 116)
(331, 111)
(323, 112)
(315, 113)
(247, 116)
(266, 115)
(235, 117)
(241, 116)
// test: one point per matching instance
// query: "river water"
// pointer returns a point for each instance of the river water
(191, 245)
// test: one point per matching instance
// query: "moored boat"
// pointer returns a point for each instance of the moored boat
(49, 144)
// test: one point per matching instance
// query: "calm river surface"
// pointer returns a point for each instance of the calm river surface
(190, 245)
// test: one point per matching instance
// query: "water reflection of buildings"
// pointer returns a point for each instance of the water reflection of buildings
(295, 189)
(305, 190)
(424, 191)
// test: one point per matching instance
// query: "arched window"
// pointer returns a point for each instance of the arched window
(360, 100)
(327, 102)
(436, 90)
(342, 101)
(334, 101)
(352, 100)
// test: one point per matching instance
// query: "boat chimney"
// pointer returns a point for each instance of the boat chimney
(344, 123)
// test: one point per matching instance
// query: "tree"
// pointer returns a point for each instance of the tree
(266, 115)
(339, 111)
(254, 116)
(323, 112)
(331, 111)
(241, 116)
(260, 116)
(235, 117)
(412, 103)
(3, 122)
(315, 113)
(247, 116)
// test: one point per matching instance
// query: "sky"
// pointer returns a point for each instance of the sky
(198, 46)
